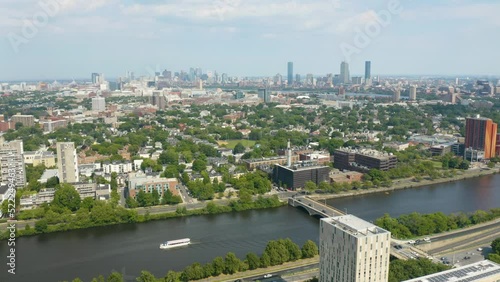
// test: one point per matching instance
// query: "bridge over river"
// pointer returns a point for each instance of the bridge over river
(319, 209)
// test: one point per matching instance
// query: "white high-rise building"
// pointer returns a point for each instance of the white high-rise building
(413, 93)
(98, 104)
(353, 250)
(396, 96)
(12, 169)
(67, 162)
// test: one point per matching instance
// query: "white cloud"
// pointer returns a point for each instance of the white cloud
(485, 13)
(357, 21)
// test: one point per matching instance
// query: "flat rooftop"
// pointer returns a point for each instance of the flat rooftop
(303, 166)
(355, 225)
(480, 271)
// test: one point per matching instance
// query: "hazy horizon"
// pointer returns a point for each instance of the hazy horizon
(243, 38)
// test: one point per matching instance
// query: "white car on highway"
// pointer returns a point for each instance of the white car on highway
(268, 276)
(411, 242)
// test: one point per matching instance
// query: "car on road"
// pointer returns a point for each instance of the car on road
(398, 247)
(479, 249)
(411, 242)
(268, 276)
(427, 239)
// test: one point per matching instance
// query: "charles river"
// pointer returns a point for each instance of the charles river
(131, 248)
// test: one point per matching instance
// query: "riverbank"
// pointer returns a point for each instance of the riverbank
(409, 183)
(24, 228)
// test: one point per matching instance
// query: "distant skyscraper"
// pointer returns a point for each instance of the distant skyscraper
(356, 79)
(368, 72)
(267, 97)
(98, 104)
(278, 79)
(413, 93)
(353, 250)
(95, 78)
(309, 79)
(481, 134)
(290, 73)
(396, 95)
(344, 73)
(158, 99)
(67, 162)
(297, 78)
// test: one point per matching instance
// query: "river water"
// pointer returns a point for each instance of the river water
(134, 247)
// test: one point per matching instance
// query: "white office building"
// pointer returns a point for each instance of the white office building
(98, 104)
(353, 250)
(67, 162)
(124, 167)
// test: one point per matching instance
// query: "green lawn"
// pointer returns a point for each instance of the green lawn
(232, 143)
(437, 164)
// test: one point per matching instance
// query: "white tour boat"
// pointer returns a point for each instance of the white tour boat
(175, 243)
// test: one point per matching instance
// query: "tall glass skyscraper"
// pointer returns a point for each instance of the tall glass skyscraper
(344, 73)
(290, 73)
(368, 70)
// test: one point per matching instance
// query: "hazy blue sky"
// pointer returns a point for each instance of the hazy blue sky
(247, 37)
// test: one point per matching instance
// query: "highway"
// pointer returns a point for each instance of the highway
(298, 273)
(483, 237)
(467, 231)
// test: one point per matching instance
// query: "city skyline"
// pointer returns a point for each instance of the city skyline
(246, 38)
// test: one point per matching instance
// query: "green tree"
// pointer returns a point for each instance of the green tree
(265, 260)
(199, 165)
(310, 186)
(464, 165)
(293, 249)
(253, 261)
(67, 197)
(208, 269)
(52, 182)
(169, 157)
(172, 276)
(115, 277)
(131, 203)
(146, 276)
(41, 226)
(231, 264)
(239, 148)
(218, 266)
(100, 278)
(87, 204)
(309, 249)
(494, 257)
(495, 245)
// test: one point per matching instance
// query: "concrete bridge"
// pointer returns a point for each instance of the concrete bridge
(319, 209)
(314, 208)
